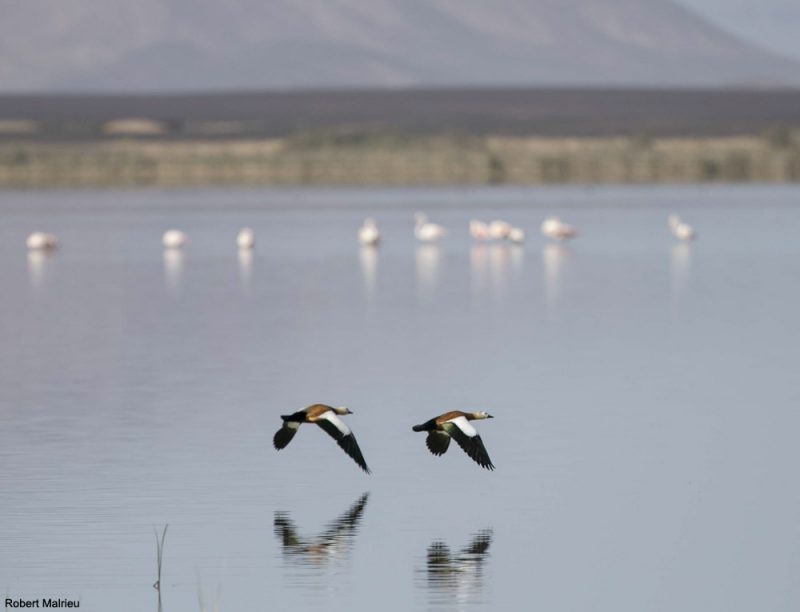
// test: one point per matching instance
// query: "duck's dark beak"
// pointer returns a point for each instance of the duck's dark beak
(489, 416)
(349, 411)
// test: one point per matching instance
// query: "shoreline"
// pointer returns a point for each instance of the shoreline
(396, 159)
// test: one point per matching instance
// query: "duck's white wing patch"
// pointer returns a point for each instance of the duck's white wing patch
(340, 432)
(466, 436)
(465, 426)
(332, 418)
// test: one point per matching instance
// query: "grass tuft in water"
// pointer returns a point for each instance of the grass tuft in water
(159, 555)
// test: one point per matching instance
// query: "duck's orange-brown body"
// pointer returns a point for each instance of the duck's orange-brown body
(327, 418)
(455, 425)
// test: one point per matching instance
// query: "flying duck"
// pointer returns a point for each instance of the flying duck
(682, 231)
(326, 417)
(456, 424)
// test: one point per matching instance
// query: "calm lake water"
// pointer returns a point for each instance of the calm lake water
(645, 392)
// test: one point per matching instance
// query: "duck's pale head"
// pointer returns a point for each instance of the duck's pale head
(342, 410)
(481, 414)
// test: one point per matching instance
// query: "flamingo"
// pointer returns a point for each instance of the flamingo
(516, 235)
(682, 231)
(246, 238)
(369, 234)
(41, 241)
(555, 228)
(499, 230)
(425, 231)
(175, 239)
(478, 230)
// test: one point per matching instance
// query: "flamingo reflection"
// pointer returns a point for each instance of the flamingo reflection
(554, 259)
(173, 270)
(498, 264)
(517, 254)
(37, 267)
(479, 267)
(680, 264)
(368, 260)
(458, 576)
(245, 256)
(334, 543)
(492, 266)
(428, 260)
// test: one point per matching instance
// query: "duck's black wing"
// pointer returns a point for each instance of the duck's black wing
(468, 439)
(349, 521)
(286, 532)
(285, 434)
(439, 560)
(340, 432)
(438, 442)
(480, 544)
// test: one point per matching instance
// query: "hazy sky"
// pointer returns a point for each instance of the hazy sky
(772, 24)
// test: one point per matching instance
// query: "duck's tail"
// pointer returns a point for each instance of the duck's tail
(426, 426)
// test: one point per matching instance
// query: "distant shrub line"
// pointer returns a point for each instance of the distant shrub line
(374, 157)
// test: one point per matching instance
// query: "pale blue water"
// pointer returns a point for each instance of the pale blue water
(645, 395)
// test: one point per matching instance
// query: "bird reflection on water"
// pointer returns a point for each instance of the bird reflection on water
(173, 271)
(489, 266)
(428, 264)
(555, 258)
(680, 268)
(457, 577)
(493, 268)
(368, 260)
(335, 543)
(37, 268)
(245, 257)
(479, 268)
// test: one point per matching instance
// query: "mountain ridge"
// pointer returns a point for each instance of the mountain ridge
(158, 45)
